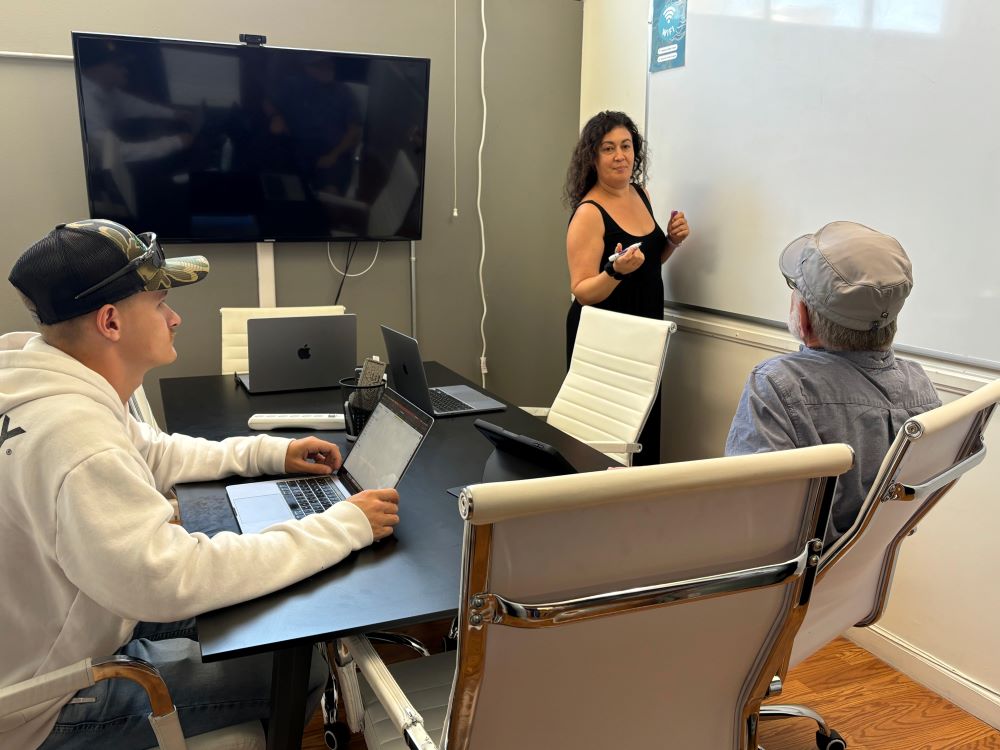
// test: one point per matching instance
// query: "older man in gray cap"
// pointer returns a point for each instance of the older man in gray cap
(844, 385)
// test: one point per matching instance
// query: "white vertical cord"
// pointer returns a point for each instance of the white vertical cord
(454, 115)
(479, 191)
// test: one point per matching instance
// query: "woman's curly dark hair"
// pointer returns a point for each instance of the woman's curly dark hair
(581, 175)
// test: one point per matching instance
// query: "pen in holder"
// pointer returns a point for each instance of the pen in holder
(359, 403)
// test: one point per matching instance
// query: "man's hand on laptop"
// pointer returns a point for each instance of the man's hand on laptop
(311, 455)
(382, 509)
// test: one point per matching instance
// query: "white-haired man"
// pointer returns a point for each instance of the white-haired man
(845, 384)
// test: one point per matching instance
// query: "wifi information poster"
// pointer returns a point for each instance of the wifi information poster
(669, 29)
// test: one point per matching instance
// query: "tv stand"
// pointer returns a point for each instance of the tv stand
(266, 296)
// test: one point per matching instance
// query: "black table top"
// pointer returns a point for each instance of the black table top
(411, 577)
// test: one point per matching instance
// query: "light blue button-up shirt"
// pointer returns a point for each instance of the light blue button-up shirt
(814, 397)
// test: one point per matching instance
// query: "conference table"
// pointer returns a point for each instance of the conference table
(411, 577)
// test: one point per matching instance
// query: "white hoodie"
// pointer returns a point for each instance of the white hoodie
(86, 549)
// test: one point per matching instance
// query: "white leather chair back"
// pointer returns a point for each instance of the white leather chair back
(613, 379)
(931, 452)
(139, 408)
(234, 329)
(686, 674)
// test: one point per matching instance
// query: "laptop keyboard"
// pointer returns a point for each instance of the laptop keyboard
(308, 496)
(443, 402)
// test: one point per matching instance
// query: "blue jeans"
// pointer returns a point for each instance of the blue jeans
(113, 713)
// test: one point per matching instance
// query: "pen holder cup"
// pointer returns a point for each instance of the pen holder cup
(359, 403)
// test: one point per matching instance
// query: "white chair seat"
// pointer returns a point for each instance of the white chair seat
(248, 736)
(427, 683)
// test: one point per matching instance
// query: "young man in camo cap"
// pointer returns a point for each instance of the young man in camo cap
(92, 564)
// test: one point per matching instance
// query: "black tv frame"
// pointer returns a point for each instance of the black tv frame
(259, 48)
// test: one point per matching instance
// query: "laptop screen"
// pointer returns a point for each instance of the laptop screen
(388, 443)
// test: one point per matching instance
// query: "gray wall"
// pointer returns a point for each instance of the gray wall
(533, 83)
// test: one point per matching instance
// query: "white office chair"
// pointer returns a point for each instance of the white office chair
(613, 381)
(139, 408)
(930, 453)
(641, 608)
(234, 329)
(28, 697)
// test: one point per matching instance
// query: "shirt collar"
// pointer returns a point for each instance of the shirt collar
(869, 360)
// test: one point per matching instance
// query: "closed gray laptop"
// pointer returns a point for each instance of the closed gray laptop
(408, 377)
(298, 353)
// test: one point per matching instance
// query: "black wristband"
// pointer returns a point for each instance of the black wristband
(609, 269)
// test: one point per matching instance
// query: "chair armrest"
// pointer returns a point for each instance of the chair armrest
(45, 687)
(398, 639)
(350, 691)
(401, 713)
(536, 411)
(921, 491)
(163, 719)
(607, 446)
(347, 676)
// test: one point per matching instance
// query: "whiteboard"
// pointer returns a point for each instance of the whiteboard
(792, 114)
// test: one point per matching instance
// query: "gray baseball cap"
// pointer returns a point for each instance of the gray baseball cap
(849, 274)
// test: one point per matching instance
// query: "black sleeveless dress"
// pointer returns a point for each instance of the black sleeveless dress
(639, 293)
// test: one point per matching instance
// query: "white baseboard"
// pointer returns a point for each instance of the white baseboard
(978, 700)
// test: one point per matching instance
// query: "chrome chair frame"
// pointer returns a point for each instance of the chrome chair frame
(887, 488)
(482, 609)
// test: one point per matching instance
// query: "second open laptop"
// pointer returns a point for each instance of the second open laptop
(408, 377)
(382, 453)
(300, 352)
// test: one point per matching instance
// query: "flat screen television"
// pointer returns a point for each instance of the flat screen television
(206, 142)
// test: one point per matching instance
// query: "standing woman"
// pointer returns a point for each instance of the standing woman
(611, 211)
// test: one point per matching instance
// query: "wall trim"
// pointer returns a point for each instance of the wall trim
(948, 377)
(10, 55)
(931, 672)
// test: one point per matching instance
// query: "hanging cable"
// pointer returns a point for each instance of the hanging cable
(479, 192)
(378, 245)
(347, 265)
(454, 115)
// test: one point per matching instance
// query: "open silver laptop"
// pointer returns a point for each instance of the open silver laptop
(409, 379)
(297, 353)
(381, 454)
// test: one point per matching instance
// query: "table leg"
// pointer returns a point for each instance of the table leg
(289, 683)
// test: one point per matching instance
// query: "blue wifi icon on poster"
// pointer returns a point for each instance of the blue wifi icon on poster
(669, 35)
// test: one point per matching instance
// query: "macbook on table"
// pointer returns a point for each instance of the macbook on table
(298, 353)
(381, 454)
(409, 379)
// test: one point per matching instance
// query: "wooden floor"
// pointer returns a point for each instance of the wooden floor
(873, 706)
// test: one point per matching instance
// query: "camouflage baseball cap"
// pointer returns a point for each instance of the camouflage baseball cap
(78, 267)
